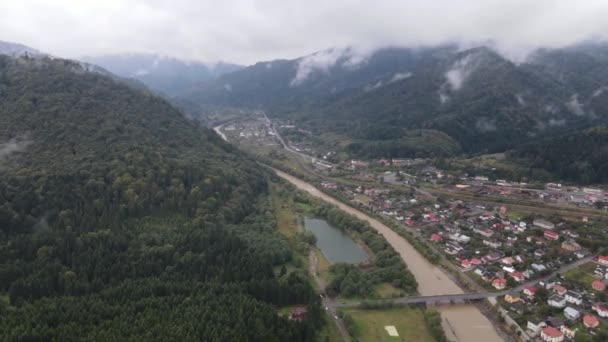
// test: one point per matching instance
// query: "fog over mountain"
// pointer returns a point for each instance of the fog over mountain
(247, 31)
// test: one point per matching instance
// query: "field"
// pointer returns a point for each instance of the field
(369, 325)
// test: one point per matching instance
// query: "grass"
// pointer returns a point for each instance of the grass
(386, 290)
(579, 275)
(410, 324)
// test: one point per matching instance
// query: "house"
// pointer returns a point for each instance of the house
(465, 263)
(499, 283)
(568, 331)
(518, 276)
(530, 291)
(551, 235)
(574, 297)
(492, 243)
(571, 313)
(598, 285)
(556, 301)
(590, 321)
(436, 238)
(298, 313)
(535, 325)
(560, 290)
(601, 309)
(571, 246)
(507, 261)
(550, 334)
(538, 267)
(543, 224)
(512, 297)
(602, 260)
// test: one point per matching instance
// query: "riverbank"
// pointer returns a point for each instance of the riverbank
(461, 323)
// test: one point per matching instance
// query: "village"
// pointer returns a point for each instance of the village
(502, 249)
(552, 268)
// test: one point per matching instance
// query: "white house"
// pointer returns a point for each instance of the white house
(543, 224)
(571, 313)
(574, 297)
(535, 324)
(557, 301)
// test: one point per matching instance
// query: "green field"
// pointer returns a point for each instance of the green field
(369, 324)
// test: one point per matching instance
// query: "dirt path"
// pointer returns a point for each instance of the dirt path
(461, 323)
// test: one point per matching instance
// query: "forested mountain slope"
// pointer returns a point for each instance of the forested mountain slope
(120, 219)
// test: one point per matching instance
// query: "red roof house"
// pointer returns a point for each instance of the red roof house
(518, 276)
(598, 285)
(530, 291)
(590, 321)
(551, 235)
(551, 334)
(436, 238)
(603, 259)
(499, 283)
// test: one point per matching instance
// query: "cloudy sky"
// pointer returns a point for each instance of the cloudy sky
(245, 31)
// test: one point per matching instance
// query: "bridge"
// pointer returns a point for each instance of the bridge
(460, 298)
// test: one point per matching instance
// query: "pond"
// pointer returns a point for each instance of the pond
(335, 245)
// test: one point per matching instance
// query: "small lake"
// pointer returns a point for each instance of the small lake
(335, 245)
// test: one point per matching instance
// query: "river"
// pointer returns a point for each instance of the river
(460, 322)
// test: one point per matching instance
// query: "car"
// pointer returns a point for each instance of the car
(326, 308)
(336, 317)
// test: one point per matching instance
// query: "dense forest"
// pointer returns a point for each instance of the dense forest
(579, 156)
(122, 220)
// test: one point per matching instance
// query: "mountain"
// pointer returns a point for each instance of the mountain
(167, 75)
(121, 219)
(14, 49)
(476, 97)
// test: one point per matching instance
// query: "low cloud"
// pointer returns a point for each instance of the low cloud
(460, 71)
(14, 145)
(575, 106)
(557, 122)
(485, 125)
(400, 76)
(326, 59)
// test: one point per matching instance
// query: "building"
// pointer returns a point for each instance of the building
(298, 314)
(436, 238)
(499, 283)
(560, 290)
(574, 297)
(598, 285)
(571, 313)
(530, 291)
(543, 224)
(601, 309)
(571, 246)
(551, 235)
(556, 301)
(602, 260)
(550, 334)
(590, 321)
(535, 325)
(512, 298)
(568, 331)
(518, 276)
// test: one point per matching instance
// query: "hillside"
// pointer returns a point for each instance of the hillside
(480, 99)
(579, 156)
(120, 219)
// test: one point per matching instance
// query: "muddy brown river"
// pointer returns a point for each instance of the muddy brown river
(460, 322)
